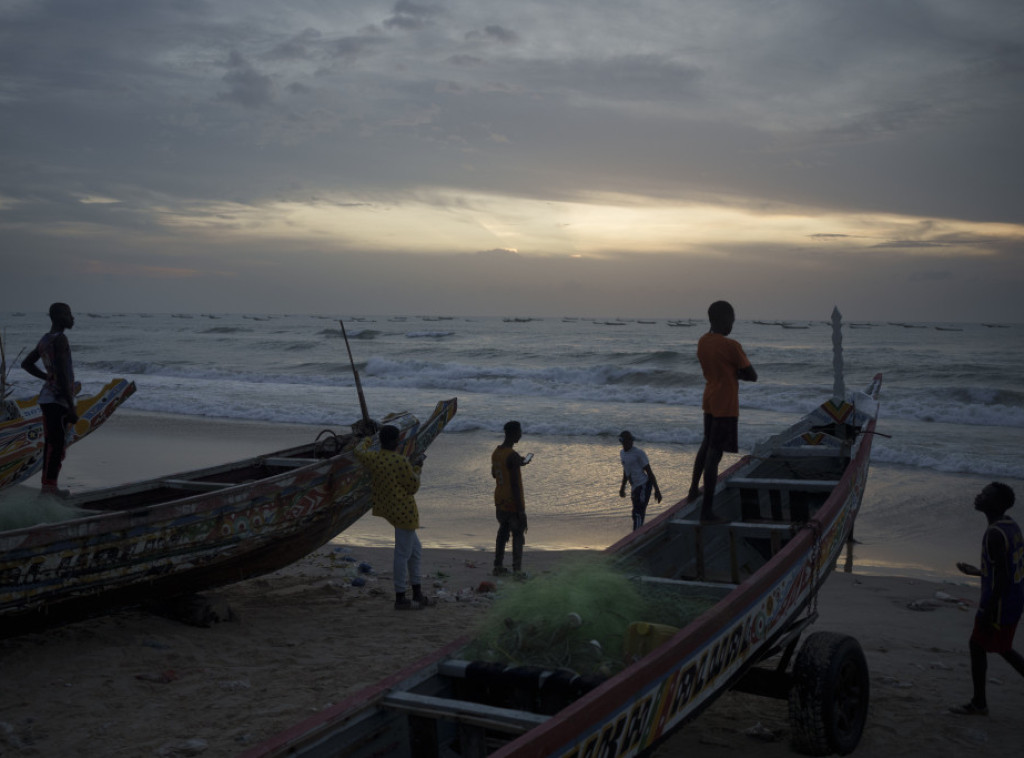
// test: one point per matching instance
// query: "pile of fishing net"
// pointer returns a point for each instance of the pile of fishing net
(577, 618)
(21, 507)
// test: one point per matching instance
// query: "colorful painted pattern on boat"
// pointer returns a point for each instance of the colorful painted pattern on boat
(21, 429)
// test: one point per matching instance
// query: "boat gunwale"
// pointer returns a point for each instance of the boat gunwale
(207, 501)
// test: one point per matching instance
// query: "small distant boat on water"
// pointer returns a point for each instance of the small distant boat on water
(180, 534)
(997, 326)
(787, 513)
(948, 329)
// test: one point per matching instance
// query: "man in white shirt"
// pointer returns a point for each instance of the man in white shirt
(636, 470)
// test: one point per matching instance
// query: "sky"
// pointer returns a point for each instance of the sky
(472, 157)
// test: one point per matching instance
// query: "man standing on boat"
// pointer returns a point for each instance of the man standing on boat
(1002, 592)
(57, 397)
(394, 482)
(509, 504)
(724, 363)
(636, 470)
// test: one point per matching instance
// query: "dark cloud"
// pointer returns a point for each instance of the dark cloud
(356, 46)
(300, 47)
(411, 16)
(907, 244)
(495, 32)
(246, 85)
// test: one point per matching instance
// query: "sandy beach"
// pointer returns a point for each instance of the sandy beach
(133, 684)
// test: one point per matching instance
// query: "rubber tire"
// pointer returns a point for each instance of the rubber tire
(828, 703)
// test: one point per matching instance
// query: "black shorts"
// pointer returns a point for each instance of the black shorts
(722, 433)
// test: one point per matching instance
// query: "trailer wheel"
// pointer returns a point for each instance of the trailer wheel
(828, 703)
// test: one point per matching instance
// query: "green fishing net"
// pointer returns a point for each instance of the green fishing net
(577, 617)
(21, 507)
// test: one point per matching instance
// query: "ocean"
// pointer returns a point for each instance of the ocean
(952, 407)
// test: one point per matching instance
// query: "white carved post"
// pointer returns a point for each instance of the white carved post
(838, 386)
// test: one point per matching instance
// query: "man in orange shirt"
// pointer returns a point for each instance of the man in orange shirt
(724, 363)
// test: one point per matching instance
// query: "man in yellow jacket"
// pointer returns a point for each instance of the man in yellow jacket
(394, 482)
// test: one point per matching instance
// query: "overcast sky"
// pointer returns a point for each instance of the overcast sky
(471, 157)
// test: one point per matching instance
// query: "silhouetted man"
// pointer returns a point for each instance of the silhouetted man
(509, 504)
(1002, 592)
(57, 397)
(724, 363)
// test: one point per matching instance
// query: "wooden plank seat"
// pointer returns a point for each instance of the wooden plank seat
(506, 720)
(290, 462)
(804, 485)
(692, 587)
(195, 484)
(780, 499)
(742, 552)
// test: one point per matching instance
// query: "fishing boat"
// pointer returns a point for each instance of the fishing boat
(788, 511)
(21, 428)
(181, 534)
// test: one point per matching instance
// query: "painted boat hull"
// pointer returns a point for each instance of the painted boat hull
(189, 532)
(21, 429)
(763, 605)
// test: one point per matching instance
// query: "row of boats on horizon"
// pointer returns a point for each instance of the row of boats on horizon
(690, 322)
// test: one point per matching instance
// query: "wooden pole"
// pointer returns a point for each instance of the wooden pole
(838, 383)
(359, 387)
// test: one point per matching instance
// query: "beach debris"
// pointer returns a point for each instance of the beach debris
(184, 748)
(961, 602)
(9, 737)
(922, 605)
(365, 568)
(760, 732)
(486, 586)
(233, 685)
(892, 681)
(358, 581)
(162, 677)
(194, 610)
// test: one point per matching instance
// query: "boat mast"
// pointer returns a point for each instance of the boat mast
(368, 427)
(838, 385)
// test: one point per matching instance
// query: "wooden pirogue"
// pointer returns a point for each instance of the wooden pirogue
(184, 533)
(789, 510)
